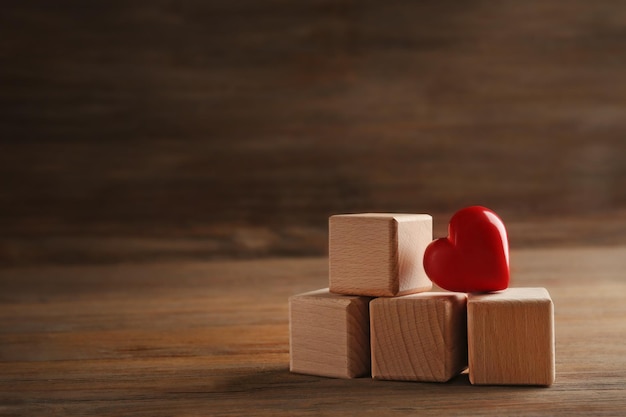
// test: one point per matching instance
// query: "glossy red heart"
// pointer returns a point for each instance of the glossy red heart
(475, 255)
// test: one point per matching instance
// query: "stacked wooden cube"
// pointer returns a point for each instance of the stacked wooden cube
(378, 316)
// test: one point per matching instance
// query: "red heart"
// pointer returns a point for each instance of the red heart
(475, 255)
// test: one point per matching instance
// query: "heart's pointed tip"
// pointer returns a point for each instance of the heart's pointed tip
(488, 291)
(475, 286)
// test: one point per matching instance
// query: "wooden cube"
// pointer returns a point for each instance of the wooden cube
(378, 254)
(329, 334)
(419, 337)
(511, 337)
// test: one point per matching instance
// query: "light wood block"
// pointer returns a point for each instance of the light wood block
(511, 337)
(329, 334)
(378, 254)
(419, 337)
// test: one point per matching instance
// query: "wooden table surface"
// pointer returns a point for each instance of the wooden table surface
(211, 338)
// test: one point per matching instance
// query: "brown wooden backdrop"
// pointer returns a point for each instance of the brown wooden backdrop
(135, 130)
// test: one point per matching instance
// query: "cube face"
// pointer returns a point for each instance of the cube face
(511, 337)
(329, 334)
(420, 337)
(378, 254)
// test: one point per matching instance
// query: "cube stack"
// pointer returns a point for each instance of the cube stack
(379, 318)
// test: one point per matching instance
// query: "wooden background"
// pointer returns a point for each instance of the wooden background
(153, 129)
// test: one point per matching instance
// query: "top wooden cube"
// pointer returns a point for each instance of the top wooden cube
(378, 254)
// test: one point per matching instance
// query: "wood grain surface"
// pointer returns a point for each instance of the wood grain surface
(152, 135)
(511, 337)
(419, 337)
(374, 254)
(195, 129)
(329, 334)
(211, 338)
